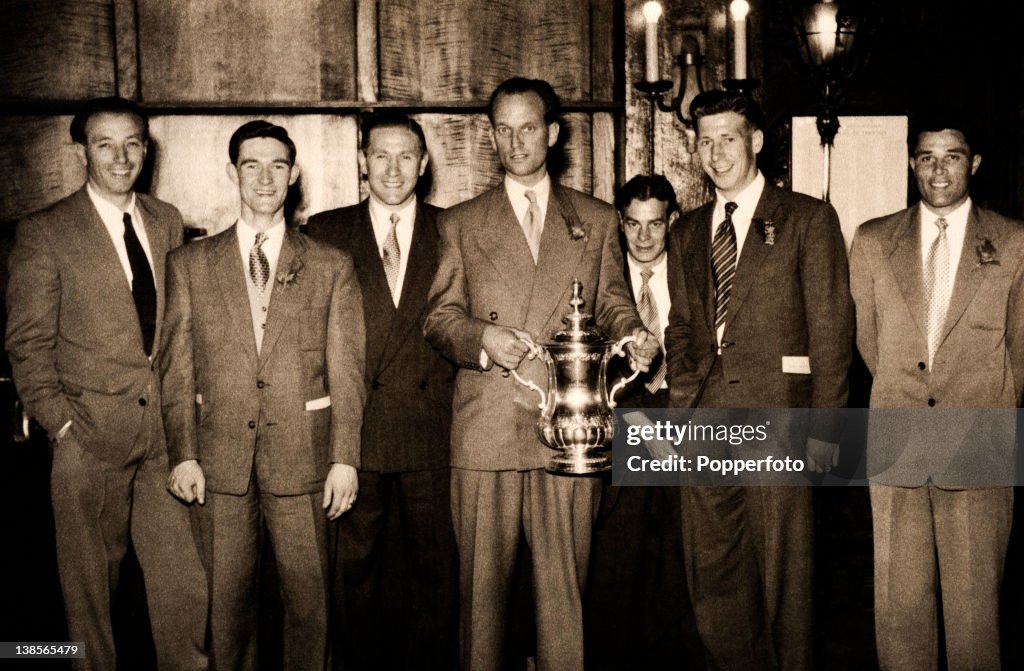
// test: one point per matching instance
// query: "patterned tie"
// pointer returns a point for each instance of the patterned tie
(723, 264)
(259, 267)
(649, 315)
(936, 286)
(392, 256)
(533, 225)
(143, 287)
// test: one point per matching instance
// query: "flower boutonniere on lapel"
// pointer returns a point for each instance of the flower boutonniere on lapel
(766, 229)
(290, 276)
(987, 254)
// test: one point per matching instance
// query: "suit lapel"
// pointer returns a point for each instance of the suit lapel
(698, 267)
(285, 299)
(754, 252)
(559, 257)
(231, 278)
(905, 263)
(378, 308)
(969, 273)
(419, 272)
(501, 239)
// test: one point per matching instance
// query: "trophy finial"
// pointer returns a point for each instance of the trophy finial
(577, 299)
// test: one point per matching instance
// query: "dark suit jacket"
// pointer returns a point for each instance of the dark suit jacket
(979, 362)
(407, 423)
(292, 410)
(790, 298)
(73, 332)
(487, 276)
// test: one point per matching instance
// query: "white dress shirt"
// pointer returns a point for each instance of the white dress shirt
(113, 220)
(956, 231)
(746, 204)
(380, 217)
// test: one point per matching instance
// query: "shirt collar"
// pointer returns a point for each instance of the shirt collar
(517, 192)
(956, 219)
(107, 210)
(746, 201)
(657, 269)
(247, 234)
(381, 213)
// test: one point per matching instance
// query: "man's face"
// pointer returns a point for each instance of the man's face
(113, 153)
(263, 174)
(521, 137)
(393, 162)
(728, 148)
(943, 165)
(646, 228)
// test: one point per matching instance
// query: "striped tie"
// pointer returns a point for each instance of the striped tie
(392, 256)
(649, 315)
(936, 286)
(723, 264)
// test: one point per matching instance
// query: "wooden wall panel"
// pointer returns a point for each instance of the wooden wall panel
(192, 155)
(57, 49)
(450, 50)
(253, 50)
(38, 163)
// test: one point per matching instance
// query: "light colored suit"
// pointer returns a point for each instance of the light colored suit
(77, 353)
(935, 472)
(487, 276)
(265, 427)
(748, 549)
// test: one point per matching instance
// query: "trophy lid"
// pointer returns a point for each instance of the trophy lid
(580, 327)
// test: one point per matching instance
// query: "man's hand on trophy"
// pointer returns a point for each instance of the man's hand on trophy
(507, 347)
(642, 352)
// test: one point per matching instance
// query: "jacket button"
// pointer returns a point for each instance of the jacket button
(494, 316)
(260, 384)
(931, 403)
(423, 384)
(921, 365)
(142, 402)
(252, 424)
(375, 385)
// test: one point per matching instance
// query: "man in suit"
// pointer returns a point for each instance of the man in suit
(638, 606)
(404, 480)
(86, 300)
(939, 290)
(508, 260)
(761, 317)
(262, 378)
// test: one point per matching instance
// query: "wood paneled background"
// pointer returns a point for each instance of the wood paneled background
(203, 67)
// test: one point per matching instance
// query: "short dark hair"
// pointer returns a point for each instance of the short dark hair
(108, 105)
(647, 187)
(934, 120)
(256, 129)
(389, 119)
(719, 102)
(518, 85)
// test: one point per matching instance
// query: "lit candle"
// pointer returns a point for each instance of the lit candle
(739, 10)
(652, 13)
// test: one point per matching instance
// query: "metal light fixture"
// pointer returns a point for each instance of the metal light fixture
(825, 33)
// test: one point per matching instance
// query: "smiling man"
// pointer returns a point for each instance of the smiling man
(508, 260)
(761, 316)
(262, 379)
(85, 303)
(939, 289)
(404, 480)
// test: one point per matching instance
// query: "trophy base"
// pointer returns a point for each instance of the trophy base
(586, 461)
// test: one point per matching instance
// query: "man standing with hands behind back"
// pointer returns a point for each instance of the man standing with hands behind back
(508, 260)
(85, 300)
(404, 480)
(761, 317)
(262, 380)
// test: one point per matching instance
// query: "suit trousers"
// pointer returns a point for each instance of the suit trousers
(230, 539)
(926, 537)
(98, 508)
(556, 515)
(395, 595)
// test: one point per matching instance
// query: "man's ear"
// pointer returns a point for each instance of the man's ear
(494, 140)
(296, 171)
(672, 219)
(424, 161)
(975, 163)
(553, 129)
(361, 160)
(757, 140)
(80, 153)
(232, 172)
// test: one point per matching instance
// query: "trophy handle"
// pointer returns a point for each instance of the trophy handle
(539, 352)
(618, 349)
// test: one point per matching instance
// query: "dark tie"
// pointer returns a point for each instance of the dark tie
(723, 264)
(392, 256)
(143, 287)
(649, 315)
(259, 267)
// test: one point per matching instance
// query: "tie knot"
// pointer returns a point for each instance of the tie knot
(532, 197)
(942, 223)
(394, 219)
(127, 219)
(261, 237)
(646, 274)
(730, 207)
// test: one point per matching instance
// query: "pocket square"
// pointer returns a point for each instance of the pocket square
(798, 365)
(319, 403)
